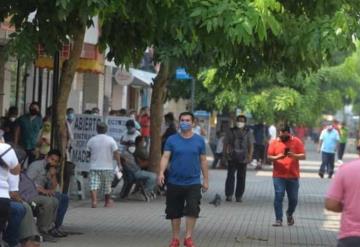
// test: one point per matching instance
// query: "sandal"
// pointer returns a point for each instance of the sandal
(277, 223)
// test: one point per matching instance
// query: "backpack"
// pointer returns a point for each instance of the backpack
(239, 150)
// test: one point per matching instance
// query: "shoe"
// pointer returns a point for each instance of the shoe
(229, 198)
(290, 220)
(56, 234)
(340, 162)
(175, 242)
(65, 234)
(46, 237)
(258, 167)
(330, 176)
(238, 199)
(188, 242)
(321, 175)
(277, 223)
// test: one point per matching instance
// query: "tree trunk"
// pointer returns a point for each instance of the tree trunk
(156, 113)
(67, 75)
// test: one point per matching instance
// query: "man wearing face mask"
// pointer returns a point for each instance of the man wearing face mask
(102, 149)
(187, 155)
(131, 133)
(28, 129)
(285, 153)
(329, 141)
(132, 168)
(238, 149)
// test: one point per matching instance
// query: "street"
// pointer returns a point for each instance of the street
(137, 223)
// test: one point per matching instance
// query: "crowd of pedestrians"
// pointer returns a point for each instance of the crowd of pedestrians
(33, 205)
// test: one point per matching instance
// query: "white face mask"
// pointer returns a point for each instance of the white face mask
(240, 125)
(132, 149)
(12, 119)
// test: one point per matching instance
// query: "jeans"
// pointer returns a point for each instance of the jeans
(148, 177)
(291, 186)
(4, 212)
(17, 213)
(349, 242)
(232, 168)
(341, 150)
(327, 164)
(63, 206)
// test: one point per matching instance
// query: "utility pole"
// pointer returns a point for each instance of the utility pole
(192, 94)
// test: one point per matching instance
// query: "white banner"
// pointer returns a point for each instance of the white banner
(84, 127)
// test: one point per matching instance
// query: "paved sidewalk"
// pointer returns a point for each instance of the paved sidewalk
(136, 223)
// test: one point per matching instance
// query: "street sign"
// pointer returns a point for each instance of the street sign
(181, 74)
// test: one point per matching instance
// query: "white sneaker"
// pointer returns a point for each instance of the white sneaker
(254, 163)
(340, 162)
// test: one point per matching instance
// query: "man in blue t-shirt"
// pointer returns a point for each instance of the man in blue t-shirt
(328, 145)
(186, 153)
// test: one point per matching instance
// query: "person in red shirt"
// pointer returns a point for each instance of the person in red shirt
(145, 124)
(285, 153)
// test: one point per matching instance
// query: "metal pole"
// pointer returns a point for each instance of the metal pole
(47, 88)
(54, 96)
(17, 84)
(34, 83)
(192, 94)
(25, 86)
(40, 87)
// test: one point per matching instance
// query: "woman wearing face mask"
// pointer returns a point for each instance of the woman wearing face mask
(238, 149)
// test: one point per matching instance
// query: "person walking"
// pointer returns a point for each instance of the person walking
(261, 138)
(218, 155)
(238, 150)
(343, 196)
(344, 133)
(102, 149)
(285, 153)
(329, 139)
(186, 152)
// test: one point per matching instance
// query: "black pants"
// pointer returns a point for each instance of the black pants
(240, 170)
(4, 212)
(217, 158)
(341, 150)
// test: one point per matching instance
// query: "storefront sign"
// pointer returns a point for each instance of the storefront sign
(123, 77)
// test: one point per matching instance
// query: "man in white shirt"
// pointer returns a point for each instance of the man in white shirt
(272, 132)
(8, 162)
(103, 149)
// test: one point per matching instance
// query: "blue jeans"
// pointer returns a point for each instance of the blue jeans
(148, 177)
(291, 186)
(63, 206)
(17, 213)
(328, 162)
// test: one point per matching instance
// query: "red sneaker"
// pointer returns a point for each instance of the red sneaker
(188, 242)
(174, 243)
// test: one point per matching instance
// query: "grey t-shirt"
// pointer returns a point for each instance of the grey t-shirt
(130, 162)
(38, 173)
